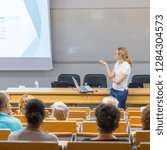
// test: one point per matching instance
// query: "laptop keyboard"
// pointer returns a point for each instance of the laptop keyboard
(86, 88)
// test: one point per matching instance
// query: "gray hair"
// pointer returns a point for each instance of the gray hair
(59, 104)
(60, 110)
(110, 100)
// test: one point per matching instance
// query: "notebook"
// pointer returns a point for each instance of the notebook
(82, 89)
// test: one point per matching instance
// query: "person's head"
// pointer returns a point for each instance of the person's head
(23, 101)
(146, 118)
(110, 100)
(108, 117)
(34, 113)
(60, 113)
(60, 110)
(4, 103)
(59, 104)
(122, 53)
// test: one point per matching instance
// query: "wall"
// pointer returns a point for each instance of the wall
(27, 78)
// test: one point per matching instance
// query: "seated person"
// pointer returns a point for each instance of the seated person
(107, 100)
(60, 111)
(6, 120)
(146, 118)
(108, 117)
(110, 100)
(34, 114)
(23, 101)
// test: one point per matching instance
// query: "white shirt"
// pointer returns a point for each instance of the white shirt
(123, 68)
(29, 135)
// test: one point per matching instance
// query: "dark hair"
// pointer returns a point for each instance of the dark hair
(34, 113)
(146, 118)
(108, 117)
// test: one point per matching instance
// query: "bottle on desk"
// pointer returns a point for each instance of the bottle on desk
(99, 86)
(36, 84)
(85, 84)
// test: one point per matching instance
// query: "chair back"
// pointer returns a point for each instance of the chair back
(77, 114)
(99, 145)
(4, 133)
(135, 119)
(135, 122)
(133, 108)
(68, 78)
(144, 146)
(142, 136)
(91, 126)
(21, 118)
(28, 145)
(87, 109)
(141, 78)
(134, 113)
(135, 85)
(59, 126)
(96, 80)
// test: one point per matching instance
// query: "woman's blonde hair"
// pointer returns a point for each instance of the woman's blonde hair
(123, 53)
(23, 101)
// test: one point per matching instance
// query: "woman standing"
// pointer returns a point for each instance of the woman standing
(120, 76)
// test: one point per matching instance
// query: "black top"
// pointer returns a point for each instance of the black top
(114, 140)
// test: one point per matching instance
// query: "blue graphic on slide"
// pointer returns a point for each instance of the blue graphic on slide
(24, 32)
(33, 10)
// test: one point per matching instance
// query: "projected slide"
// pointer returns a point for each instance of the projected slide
(24, 29)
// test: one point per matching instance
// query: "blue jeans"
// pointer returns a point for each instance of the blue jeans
(121, 96)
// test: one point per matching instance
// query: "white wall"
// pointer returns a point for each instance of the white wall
(27, 78)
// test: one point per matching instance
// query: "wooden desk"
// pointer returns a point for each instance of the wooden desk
(146, 85)
(72, 96)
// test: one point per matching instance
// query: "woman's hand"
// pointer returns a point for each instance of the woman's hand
(111, 73)
(103, 62)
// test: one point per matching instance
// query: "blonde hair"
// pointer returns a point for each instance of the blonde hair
(123, 53)
(23, 101)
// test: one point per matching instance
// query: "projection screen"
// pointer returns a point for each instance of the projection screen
(25, 42)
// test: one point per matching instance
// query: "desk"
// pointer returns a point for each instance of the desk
(72, 96)
(146, 85)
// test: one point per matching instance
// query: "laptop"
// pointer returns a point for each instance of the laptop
(82, 89)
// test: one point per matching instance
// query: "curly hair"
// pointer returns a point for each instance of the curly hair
(146, 118)
(23, 101)
(108, 117)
